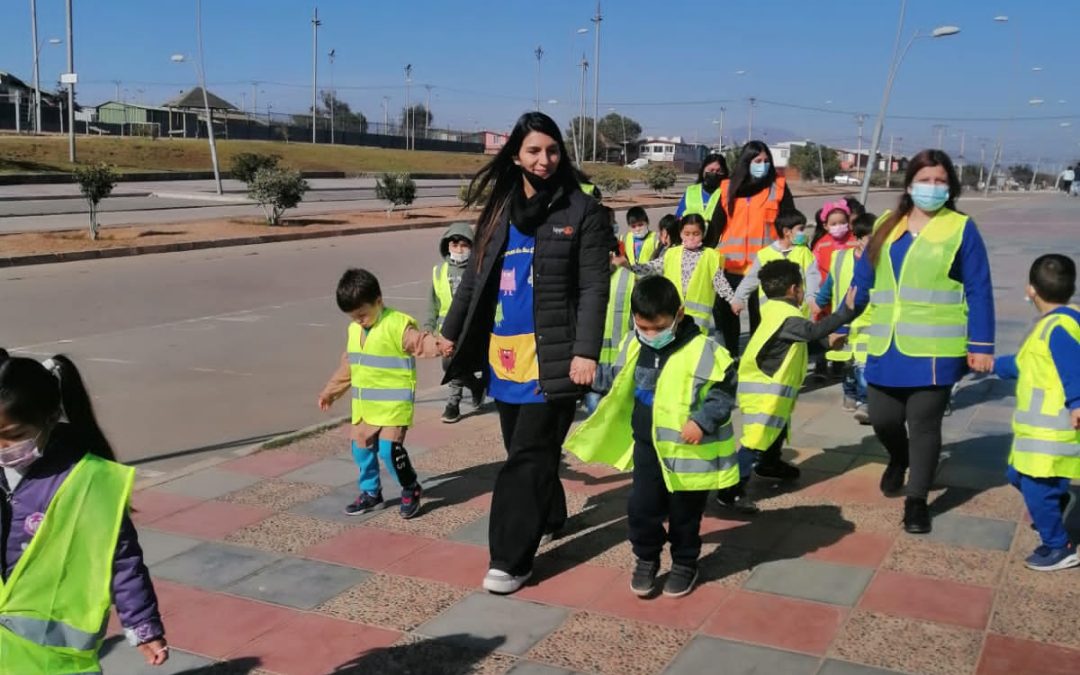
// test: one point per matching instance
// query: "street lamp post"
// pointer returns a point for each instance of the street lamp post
(898, 57)
(200, 72)
(69, 76)
(574, 132)
(333, 94)
(596, 81)
(315, 23)
(539, 51)
(408, 109)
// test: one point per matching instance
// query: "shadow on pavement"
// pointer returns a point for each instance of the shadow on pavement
(458, 654)
(239, 666)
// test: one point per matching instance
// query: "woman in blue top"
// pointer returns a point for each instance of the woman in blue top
(927, 277)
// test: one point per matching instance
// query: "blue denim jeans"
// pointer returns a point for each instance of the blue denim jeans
(855, 382)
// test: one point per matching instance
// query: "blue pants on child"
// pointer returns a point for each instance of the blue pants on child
(1045, 499)
(367, 460)
(855, 382)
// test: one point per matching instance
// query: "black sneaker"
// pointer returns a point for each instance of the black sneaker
(643, 583)
(364, 503)
(477, 394)
(451, 413)
(410, 501)
(916, 516)
(680, 580)
(735, 498)
(777, 470)
(892, 480)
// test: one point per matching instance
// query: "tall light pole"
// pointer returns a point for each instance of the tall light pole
(427, 114)
(721, 130)
(37, 67)
(575, 132)
(315, 23)
(333, 94)
(750, 122)
(860, 119)
(539, 52)
(386, 115)
(200, 71)
(596, 81)
(581, 118)
(69, 76)
(894, 65)
(408, 109)
(1001, 18)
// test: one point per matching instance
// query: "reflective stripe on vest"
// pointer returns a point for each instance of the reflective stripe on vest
(700, 295)
(383, 374)
(921, 310)
(51, 633)
(800, 255)
(767, 401)
(750, 227)
(619, 320)
(648, 249)
(440, 282)
(695, 202)
(1045, 445)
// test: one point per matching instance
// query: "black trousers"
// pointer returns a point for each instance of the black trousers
(731, 325)
(907, 421)
(651, 503)
(529, 499)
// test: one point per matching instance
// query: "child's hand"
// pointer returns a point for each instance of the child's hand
(1075, 415)
(849, 299)
(736, 308)
(325, 402)
(446, 347)
(837, 341)
(156, 652)
(692, 433)
(980, 363)
(620, 261)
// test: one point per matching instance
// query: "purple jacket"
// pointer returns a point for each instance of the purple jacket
(132, 590)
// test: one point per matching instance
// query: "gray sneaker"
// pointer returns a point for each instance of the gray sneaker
(680, 581)
(643, 582)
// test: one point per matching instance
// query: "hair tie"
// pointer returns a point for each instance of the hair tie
(53, 367)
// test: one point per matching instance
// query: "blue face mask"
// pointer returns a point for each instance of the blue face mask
(929, 197)
(660, 340)
(759, 169)
(799, 239)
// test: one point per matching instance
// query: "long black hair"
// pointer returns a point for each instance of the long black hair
(742, 183)
(33, 395)
(504, 176)
(709, 159)
(905, 206)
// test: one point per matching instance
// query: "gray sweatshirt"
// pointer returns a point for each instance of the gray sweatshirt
(750, 283)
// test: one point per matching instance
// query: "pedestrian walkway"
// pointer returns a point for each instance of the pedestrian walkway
(257, 568)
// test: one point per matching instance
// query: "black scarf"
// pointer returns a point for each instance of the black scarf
(528, 213)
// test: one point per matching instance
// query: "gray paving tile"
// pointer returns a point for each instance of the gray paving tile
(159, 546)
(973, 532)
(531, 668)
(958, 474)
(303, 584)
(213, 565)
(332, 507)
(332, 472)
(521, 624)
(122, 659)
(811, 580)
(712, 655)
(475, 532)
(209, 483)
(834, 667)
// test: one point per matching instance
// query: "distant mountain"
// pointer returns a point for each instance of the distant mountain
(764, 133)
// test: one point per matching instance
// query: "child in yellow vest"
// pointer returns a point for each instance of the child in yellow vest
(379, 368)
(618, 323)
(668, 415)
(1045, 453)
(771, 372)
(640, 243)
(790, 245)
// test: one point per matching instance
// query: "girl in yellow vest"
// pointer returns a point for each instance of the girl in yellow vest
(791, 245)
(926, 277)
(69, 547)
(1046, 449)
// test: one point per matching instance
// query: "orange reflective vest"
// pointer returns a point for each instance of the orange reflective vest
(751, 227)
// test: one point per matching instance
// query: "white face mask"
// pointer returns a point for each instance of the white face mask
(20, 454)
(460, 257)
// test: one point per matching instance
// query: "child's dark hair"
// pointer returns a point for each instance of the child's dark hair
(778, 276)
(357, 287)
(636, 214)
(863, 225)
(855, 206)
(33, 395)
(789, 220)
(1053, 276)
(655, 297)
(818, 220)
(693, 219)
(670, 224)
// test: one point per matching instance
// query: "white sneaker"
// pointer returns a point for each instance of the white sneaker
(504, 583)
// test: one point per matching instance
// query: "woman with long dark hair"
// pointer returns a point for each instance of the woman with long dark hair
(927, 276)
(752, 200)
(530, 313)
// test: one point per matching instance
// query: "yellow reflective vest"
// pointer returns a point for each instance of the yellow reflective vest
(842, 271)
(767, 401)
(620, 318)
(924, 312)
(1045, 445)
(54, 606)
(440, 281)
(588, 188)
(700, 295)
(695, 202)
(383, 373)
(800, 255)
(648, 248)
(607, 437)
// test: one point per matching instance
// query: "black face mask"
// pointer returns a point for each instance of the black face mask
(541, 185)
(711, 181)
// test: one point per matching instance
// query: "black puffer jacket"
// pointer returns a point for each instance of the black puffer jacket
(571, 279)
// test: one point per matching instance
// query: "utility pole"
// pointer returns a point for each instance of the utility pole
(386, 115)
(35, 101)
(888, 167)
(333, 95)
(206, 97)
(70, 86)
(427, 113)
(1034, 174)
(982, 159)
(860, 119)
(408, 108)
(961, 157)
(254, 96)
(722, 111)
(581, 118)
(315, 23)
(539, 51)
(596, 81)
(750, 122)
(821, 163)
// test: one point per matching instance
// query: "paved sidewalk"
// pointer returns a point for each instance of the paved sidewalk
(258, 571)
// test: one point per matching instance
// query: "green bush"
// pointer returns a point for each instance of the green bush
(482, 198)
(397, 188)
(660, 177)
(246, 164)
(611, 182)
(277, 190)
(96, 182)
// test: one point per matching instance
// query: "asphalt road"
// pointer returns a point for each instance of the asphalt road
(191, 354)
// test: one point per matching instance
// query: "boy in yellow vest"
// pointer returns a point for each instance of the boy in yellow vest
(640, 244)
(790, 245)
(1045, 453)
(379, 368)
(771, 372)
(668, 415)
(455, 247)
(618, 323)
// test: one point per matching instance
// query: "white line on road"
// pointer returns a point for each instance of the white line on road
(102, 359)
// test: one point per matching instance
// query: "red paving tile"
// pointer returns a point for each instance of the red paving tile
(575, 587)
(174, 598)
(853, 487)
(449, 562)
(310, 644)
(148, 506)
(687, 612)
(776, 621)
(864, 549)
(270, 464)
(1012, 656)
(368, 548)
(212, 519)
(221, 625)
(918, 597)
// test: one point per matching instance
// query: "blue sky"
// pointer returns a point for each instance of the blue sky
(669, 65)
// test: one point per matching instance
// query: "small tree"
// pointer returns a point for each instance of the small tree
(277, 190)
(809, 163)
(660, 177)
(397, 188)
(611, 182)
(96, 183)
(463, 194)
(246, 164)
